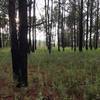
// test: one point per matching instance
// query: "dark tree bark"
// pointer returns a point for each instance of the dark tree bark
(81, 27)
(62, 29)
(72, 44)
(87, 25)
(74, 29)
(0, 39)
(48, 28)
(58, 31)
(34, 27)
(46, 22)
(97, 26)
(23, 28)
(74, 37)
(35, 42)
(51, 23)
(91, 23)
(30, 24)
(14, 40)
(3, 40)
(77, 30)
(47, 25)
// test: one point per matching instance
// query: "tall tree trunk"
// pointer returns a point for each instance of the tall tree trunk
(91, 23)
(23, 28)
(49, 33)
(14, 40)
(51, 27)
(72, 44)
(58, 31)
(46, 23)
(81, 27)
(97, 25)
(62, 28)
(87, 25)
(74, 37)
(30, 24)
(74, 29)
(0, 39)
(34, 26)
(77, 35)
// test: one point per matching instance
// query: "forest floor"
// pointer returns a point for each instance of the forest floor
(61, 75)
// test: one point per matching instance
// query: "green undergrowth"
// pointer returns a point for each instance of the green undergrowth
(70, 74)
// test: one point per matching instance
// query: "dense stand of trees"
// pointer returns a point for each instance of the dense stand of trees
(3, 29)
(75, 24)
(83, 23)
(77, 20)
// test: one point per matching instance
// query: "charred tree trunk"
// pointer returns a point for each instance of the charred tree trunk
(48, 28)
(77, 35)
(0, 39)
(91, 23)
(23, 28)
(74, 28)
(72, 45)
(97, 26)
(34, 27)
(74, 37)
(51, 22)
(30, 24)
(81, 27)
(58, 31)
(87, 25)
(46, 22)
(62, 28)
(14, 40)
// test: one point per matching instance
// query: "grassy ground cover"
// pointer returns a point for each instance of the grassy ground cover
(60, 76)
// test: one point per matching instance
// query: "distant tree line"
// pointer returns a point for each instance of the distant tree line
(3, 24)
(76, 23)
